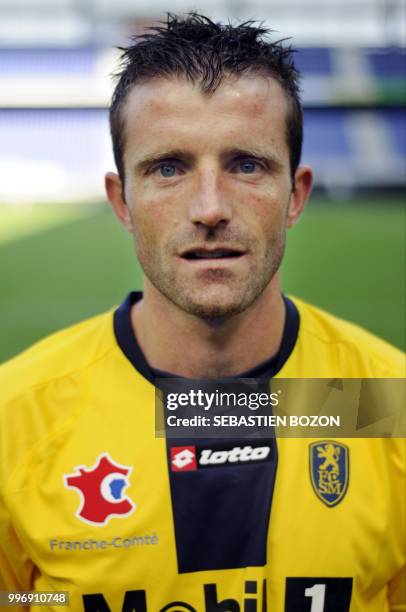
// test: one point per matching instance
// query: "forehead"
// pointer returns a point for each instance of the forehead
(243, 111)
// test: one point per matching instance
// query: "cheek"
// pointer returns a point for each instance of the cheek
(264, 213)
(158, 218)
(148, 214)
(154, 228)
(145, 233)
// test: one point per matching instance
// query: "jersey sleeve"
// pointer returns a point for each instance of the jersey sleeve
(15, 567)
(397, 592)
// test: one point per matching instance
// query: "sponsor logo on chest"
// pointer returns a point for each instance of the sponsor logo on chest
(102, 490)
(191, 458)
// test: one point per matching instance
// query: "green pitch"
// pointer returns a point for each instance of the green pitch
(61, 264)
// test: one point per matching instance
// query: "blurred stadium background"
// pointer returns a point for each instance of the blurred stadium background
(62, 255)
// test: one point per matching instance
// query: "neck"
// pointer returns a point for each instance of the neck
(185, 345)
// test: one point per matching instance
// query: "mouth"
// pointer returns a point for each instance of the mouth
(218, 254)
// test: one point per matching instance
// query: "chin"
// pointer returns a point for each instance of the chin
(209, 300)
(215, 312)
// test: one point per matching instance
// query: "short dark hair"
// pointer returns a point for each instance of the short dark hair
(205, 52)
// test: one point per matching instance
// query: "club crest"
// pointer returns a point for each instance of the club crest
(329, 470)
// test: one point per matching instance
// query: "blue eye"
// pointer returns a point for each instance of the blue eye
(167, 170)
(248, 167)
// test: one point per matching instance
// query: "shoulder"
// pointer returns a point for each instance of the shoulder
(359, 352)
(44, 390)
(59, 356)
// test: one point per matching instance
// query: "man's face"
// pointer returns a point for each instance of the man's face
(208, 189)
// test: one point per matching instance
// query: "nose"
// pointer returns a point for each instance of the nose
(209, 205)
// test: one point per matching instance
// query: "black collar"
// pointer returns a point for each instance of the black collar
(128, 343)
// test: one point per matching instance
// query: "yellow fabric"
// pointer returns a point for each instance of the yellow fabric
(74, 396)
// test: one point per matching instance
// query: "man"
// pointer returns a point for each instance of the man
(207, 131)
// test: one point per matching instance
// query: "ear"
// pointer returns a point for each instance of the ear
(300, 194)
(114, 190)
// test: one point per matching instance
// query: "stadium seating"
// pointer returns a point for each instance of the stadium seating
(54, 119)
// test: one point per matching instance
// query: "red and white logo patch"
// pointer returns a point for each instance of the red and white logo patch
(102, 490)
(183, 458)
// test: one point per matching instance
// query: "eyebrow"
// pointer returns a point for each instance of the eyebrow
(144, 163)
(257, 152)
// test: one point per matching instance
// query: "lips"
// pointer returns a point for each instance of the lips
(218, 253)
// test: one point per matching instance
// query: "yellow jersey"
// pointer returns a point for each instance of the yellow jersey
(93, 503)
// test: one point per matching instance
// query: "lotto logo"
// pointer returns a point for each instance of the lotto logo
(183, 458)
(237, 454)
(188, 458)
